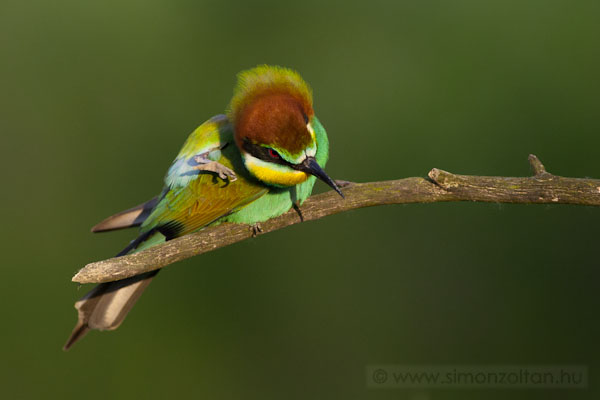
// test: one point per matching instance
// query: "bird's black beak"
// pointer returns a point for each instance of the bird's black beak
(310, 166)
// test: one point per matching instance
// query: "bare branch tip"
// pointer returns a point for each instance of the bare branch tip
(536, 165)
(77, 277)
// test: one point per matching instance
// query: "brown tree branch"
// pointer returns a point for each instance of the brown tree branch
(542, 188)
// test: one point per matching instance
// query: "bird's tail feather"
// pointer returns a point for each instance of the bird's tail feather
(132, 217)
(106, 305)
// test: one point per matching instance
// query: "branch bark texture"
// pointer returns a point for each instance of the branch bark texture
(541, 188)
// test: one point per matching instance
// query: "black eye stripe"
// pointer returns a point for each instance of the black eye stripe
(262, 153)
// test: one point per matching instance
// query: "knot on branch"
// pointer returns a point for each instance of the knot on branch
(444, 179)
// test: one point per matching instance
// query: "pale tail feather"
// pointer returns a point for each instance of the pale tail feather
(106, 306)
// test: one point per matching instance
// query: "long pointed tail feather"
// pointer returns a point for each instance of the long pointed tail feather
(107, 304)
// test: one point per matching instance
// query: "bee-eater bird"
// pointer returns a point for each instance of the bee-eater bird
(248, 166)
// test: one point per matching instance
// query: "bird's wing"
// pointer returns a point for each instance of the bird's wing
(193, 186)
(203, 145)
(194, 198)
(204, 142)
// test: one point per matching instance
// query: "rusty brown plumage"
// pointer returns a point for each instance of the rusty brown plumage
(272, 105)
(278, 119)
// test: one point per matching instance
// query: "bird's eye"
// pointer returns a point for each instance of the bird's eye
(273, 154)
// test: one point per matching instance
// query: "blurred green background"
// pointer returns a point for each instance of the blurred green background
(97, 98)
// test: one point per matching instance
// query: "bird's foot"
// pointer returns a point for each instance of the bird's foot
(256, 229)
(296, 206)
(213, 166)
